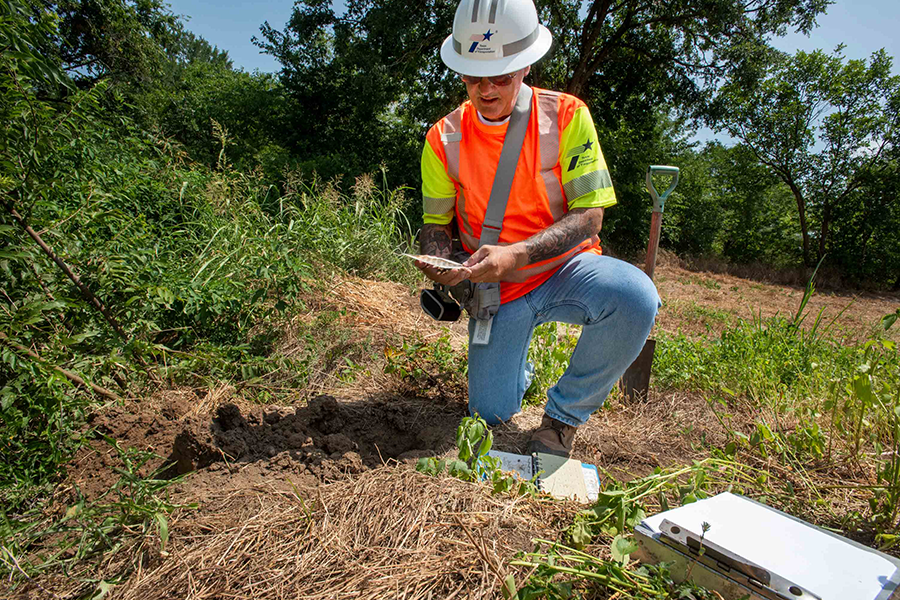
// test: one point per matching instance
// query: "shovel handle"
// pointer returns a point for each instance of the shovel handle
(653, 244)
(659, 200)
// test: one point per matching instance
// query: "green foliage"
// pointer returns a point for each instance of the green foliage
(620, 506)
(363, 232)
(747, 215)
(361, 97)
(198, 266)
(757, 358)
(252, 108)
(130, 515)
(430, 364)
(121, 40)
(563, 571)
(864, 240)
(630, 143)
(551, 347)
(560, 572)
(822, 126)
(473, 441)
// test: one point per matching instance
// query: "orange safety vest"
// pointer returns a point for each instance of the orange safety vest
(470, 152)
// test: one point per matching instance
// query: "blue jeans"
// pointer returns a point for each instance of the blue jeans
(615, 303)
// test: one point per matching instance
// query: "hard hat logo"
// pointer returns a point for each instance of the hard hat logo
(478, 46)
(495, 37)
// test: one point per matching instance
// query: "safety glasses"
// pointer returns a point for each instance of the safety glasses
(499, 80)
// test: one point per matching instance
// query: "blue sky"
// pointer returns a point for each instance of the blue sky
(863, 26)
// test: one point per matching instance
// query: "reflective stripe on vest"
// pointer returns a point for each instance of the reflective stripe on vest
(548, 128)
(451, 136)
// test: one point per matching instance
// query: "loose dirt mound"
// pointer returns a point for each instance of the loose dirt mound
(324, 440)
(326, 437)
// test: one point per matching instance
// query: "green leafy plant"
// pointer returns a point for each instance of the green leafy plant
(125, 518)
(435, 363)
(551, 347)
(473, 441)
(561, 572)
(621, 506)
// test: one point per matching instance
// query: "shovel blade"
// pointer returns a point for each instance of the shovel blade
(635, 382)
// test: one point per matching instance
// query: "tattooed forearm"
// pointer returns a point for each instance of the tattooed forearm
(573, 228)
(435, 240)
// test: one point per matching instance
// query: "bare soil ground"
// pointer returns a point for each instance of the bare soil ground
(317, 498)
(699, 303)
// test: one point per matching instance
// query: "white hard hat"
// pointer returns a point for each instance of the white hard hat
(495, 37)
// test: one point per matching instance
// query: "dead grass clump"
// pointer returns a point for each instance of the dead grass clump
(665, 258)
(390, 533)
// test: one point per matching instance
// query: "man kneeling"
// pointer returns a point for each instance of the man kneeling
(542, 251)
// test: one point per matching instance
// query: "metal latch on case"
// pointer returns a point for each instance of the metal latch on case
(729, 563)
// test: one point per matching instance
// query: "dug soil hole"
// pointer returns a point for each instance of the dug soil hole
(234, 447)
(324, 437)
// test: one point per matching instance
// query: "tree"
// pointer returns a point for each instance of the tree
(119, 40)
(754, 208)
(821, 125)
(865, 240)
(689, 42)
(366, 83)
(250, 107)
(378, 59)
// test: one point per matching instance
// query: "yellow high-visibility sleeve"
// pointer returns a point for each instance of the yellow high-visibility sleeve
(438, 189)
(585, 176)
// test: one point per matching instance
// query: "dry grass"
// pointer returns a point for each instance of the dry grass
(702, 303)
(391, 533)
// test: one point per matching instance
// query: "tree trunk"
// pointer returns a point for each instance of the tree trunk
(801, 210)
(579, 79)
(823, 231)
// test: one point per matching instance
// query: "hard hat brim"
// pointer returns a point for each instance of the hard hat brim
(500, 66)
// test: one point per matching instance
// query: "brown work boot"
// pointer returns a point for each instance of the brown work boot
(552, 437)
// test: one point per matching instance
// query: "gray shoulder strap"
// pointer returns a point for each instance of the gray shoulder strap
(506, 168)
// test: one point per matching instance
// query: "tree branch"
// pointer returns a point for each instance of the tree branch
(67, 374)
(88, 294)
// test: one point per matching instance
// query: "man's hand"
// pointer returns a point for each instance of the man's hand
(449, 277)
(500, 263)
(435, 240)
(496, 263)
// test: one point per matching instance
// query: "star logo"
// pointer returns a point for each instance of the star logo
(576, 152)
(487, 36)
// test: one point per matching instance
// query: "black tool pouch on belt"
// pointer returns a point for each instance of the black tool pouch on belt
(481, 301)
(445, 303)
(439, 305)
